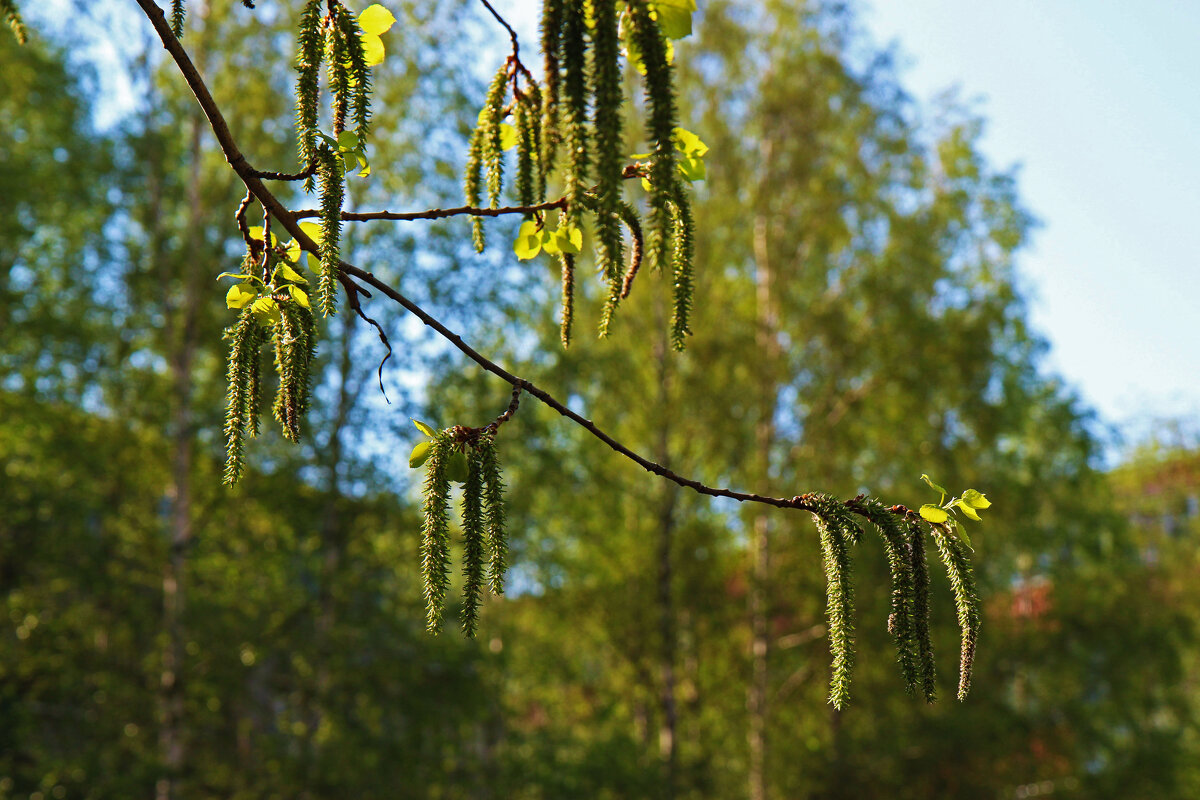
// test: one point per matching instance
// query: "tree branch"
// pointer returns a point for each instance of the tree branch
(350, 276)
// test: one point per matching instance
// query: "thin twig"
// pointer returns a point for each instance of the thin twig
(435, 213)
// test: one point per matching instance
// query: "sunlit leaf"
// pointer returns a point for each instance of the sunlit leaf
(967, 510)
(347, 140)
(419, 454)
(457, 468)
(934, 513)
(689, 143)
(373, 49)
(508, 136)
(240, 294)
(266, 310)
(569, 240)
(975, 499)
(675, 17)
(933, 485)
(425, 429)
(299, 295)
(288, 274)
(528, 242)
(313, 231)
(376, 20)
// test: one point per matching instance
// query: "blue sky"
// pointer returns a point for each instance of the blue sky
(1098, 101)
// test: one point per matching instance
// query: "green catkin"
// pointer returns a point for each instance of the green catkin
(552, 20)
(435, 536)
(660, 95)
(360, 73)
(835, 555)
(310, 50)
(473, 543)
(900, 622)
(12, 16)
(339, 76)
(609, 140)
(610, 305)
(490, 121)
(494, 515)
(329, 172)
(178, 14)
(293, 364)
(243, 338)
(966, 600)
(472, 183)
(253, 408)
(568, 297)
(920, 609)
(533, 96)
(681, 264)
(526, 150)
(575, 97)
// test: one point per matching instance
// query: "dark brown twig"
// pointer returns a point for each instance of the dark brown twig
(436, 213)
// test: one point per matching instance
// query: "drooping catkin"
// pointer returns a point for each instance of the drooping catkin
(435, 535)
(920, 572)
(178, 14)
(575, 100)
(490, 121)
(359, 72)
(494, 515)
(660, 96)
(608, 139)
(12, 16)
(966, 600)
(900, 621)
(329, 173)
(339, 75)
(310, 51)
(473, 183)
(473, 542)
(636, 246)
(552, 19)
(839, 592)
(568, 297)
(526, 182)
(243, 338)
(294, 351)
(683, 255)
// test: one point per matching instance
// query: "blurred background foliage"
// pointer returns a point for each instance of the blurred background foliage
(858, 323)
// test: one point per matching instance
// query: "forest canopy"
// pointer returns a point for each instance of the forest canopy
(828, 300)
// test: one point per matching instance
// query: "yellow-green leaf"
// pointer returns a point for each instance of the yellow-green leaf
(529, 241)
(256, 233)
(425, 429)
(692, 168)
(689, 143)
(976, 499)
(288, 274)
(966, 509)
(508, 136)
(569, 240)
(375, 19)
(299, 295)
(419, 454)
(313, 231)
(347, 140)
(373, 49)
(457, 468)
(266, 309)
(240, 294)
(646, 184)
(933, 485)
(934, 513)
(675, 17)
(550, 242)
(293, 251)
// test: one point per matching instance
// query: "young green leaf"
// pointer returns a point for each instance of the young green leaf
(975, 499)
(420, 454)
(241, 276)
(376, 20)
(689, 143)
(529, 241)
(425, 429)
(373, 51)
(314, 231)
(256, 233)
(934, 513)
(569, 240)
(347, 140)
(293, 251)
(288, 274)
(692, 168)
(508, 136)
(674, 17)
(933, 485)
(240, 295)
(299, 295)
(266, 310)
(550, 241)
(967, 510)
